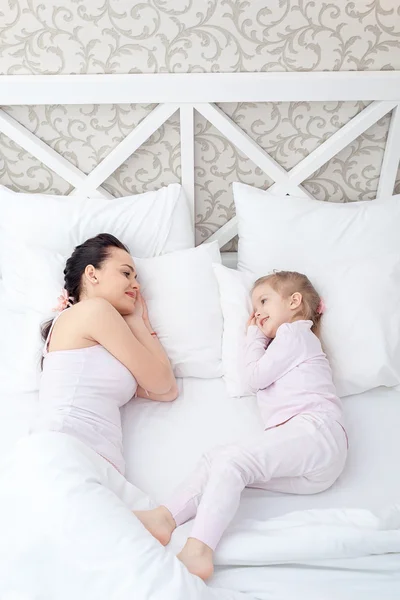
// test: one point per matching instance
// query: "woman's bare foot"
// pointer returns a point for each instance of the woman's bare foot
(159, 522)
(198, 558)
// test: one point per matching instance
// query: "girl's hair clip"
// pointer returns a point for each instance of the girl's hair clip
(321, 307)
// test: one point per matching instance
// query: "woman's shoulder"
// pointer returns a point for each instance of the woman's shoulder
(76, 325)
(91, 306)
(83, 308)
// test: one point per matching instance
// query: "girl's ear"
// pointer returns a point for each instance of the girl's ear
(295, 300)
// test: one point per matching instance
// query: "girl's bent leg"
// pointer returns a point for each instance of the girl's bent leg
(181, 507)
(308, 453)
(186, 498)
(232, 468)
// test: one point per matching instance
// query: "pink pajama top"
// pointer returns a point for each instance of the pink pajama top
(290, 374)
(81, 392)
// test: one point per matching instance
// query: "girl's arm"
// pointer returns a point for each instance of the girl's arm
(266, 360)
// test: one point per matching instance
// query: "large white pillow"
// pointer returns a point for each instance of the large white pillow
(180, 288)
(360, 328)
(150, 224)
(351, 252)
(280, 232)
(182, 295)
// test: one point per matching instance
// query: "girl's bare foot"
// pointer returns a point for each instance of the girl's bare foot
(159, 522)
(198, 558)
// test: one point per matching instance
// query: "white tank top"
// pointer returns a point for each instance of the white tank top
(81, 392)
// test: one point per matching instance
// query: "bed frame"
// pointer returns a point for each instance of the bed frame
(200, 91)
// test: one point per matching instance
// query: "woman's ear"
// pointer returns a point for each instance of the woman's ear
(295, 300)
(90, 274)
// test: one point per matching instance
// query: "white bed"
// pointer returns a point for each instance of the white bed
(162, 441)
(203, 416)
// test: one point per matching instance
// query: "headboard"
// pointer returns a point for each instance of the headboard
(200, 92)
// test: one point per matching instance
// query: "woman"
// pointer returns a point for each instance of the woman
(100, 350)
(66, 520)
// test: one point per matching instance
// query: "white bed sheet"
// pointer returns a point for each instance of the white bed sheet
(164, 441)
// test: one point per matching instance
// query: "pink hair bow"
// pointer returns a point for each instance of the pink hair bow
(63, 301)
(321, 307)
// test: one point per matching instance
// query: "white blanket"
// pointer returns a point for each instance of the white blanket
(67, 531)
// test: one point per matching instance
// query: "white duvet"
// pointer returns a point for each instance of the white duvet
(67, 530)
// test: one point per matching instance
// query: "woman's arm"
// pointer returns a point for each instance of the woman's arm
(104, 325)
(141, 328)
(153, 345)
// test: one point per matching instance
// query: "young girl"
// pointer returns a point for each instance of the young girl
(304, 446)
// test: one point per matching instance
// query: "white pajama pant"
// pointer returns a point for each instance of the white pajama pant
(303, 456)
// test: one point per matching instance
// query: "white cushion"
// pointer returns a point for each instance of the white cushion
(277, 231)
(180, 288)
(234, 290)
(182, 295)
(351, 253)
(149, 224)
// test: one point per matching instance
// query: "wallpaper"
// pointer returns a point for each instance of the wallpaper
(156, 36)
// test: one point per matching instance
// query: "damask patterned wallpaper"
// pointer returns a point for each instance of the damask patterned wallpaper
(125, 36)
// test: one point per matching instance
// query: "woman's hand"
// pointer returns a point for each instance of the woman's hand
(138, 309)
(251, 320)
(140, 315)
(145, 314)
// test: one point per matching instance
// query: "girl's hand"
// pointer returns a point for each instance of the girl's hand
(252, 320)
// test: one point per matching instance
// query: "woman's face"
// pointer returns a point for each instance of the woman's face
(115, 281)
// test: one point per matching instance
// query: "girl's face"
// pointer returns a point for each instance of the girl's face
(271, 309)
(116, 281)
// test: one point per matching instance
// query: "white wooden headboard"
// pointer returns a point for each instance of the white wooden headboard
(200, 91)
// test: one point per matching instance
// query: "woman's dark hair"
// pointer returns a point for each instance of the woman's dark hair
(92, 252)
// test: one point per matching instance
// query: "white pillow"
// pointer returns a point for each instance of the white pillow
(182, 295)
(234, 290)
(283, 232)
(149, 224)
(360, 327)
(180, 288)
(351, 253)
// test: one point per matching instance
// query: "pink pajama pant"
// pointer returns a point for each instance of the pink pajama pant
(304, 456)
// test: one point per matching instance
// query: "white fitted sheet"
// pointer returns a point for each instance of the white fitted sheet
(164, 441)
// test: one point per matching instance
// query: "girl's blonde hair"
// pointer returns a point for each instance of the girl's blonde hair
(287, 283)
